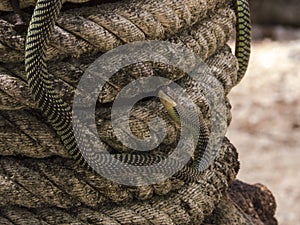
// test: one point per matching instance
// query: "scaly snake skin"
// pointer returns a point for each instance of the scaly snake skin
(59, 113)
(243, 36)
(201, 155)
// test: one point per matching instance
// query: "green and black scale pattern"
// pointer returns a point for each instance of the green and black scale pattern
(59, 113)
(243, 36)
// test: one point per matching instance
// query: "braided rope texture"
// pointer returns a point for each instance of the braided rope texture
(214, 32)
(22, 119)
(116, 24)
(49, 183)
(208, 34)
(58, 113)
(5, 5)
(203, 26)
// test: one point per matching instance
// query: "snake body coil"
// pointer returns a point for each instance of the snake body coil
(243, 36)
(59, 113)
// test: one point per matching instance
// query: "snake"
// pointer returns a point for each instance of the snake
(243, 37)
(179, 115)
(59, 113)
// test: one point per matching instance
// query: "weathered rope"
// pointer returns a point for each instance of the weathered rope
(217, 31)
(203, 26)
(25, 132)
(49, 183)
(80, 27)
(246, 205)
(222, 22)
(5, 5)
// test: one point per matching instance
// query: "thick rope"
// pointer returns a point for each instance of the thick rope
(58, 113)
(223, 69)
(191, 203)
(217, 32)
(24, 129)
(49, 183)
(247, 205)
(79, 27)
(5, 5)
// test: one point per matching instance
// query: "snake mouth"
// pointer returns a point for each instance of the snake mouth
(170, 105)
(166, 100)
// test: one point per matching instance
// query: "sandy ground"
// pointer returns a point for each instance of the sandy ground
(266, 124)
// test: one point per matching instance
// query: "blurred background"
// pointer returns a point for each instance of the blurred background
(266, 106)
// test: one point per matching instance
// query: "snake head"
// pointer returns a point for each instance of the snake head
(179, 106)
(167, 98)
